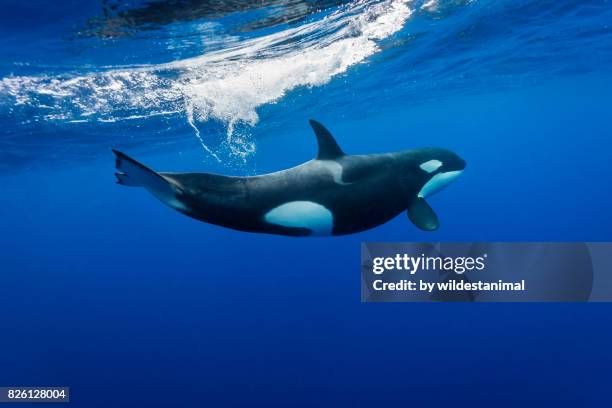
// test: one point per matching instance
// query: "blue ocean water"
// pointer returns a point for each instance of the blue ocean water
(129, 303)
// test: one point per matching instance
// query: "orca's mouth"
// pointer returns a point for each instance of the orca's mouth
(462, 165)
(438, 182)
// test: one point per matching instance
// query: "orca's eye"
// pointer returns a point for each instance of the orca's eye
(431, 165)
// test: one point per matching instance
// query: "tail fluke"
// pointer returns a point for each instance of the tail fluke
(134, 174)
(125, 180)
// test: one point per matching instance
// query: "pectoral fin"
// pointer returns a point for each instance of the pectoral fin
(422, 215)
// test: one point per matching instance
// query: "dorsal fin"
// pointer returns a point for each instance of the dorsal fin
(328, 148)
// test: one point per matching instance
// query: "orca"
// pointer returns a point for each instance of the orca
(333, 194)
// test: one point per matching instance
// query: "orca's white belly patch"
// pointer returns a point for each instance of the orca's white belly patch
(302, 214)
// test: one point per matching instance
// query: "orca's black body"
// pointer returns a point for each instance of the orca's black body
(334, 194)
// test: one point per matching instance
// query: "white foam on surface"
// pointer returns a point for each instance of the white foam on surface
(228, 85)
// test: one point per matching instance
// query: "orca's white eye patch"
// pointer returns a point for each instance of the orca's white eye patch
(431, 165)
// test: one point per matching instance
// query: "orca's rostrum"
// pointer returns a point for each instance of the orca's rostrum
(333, 194)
